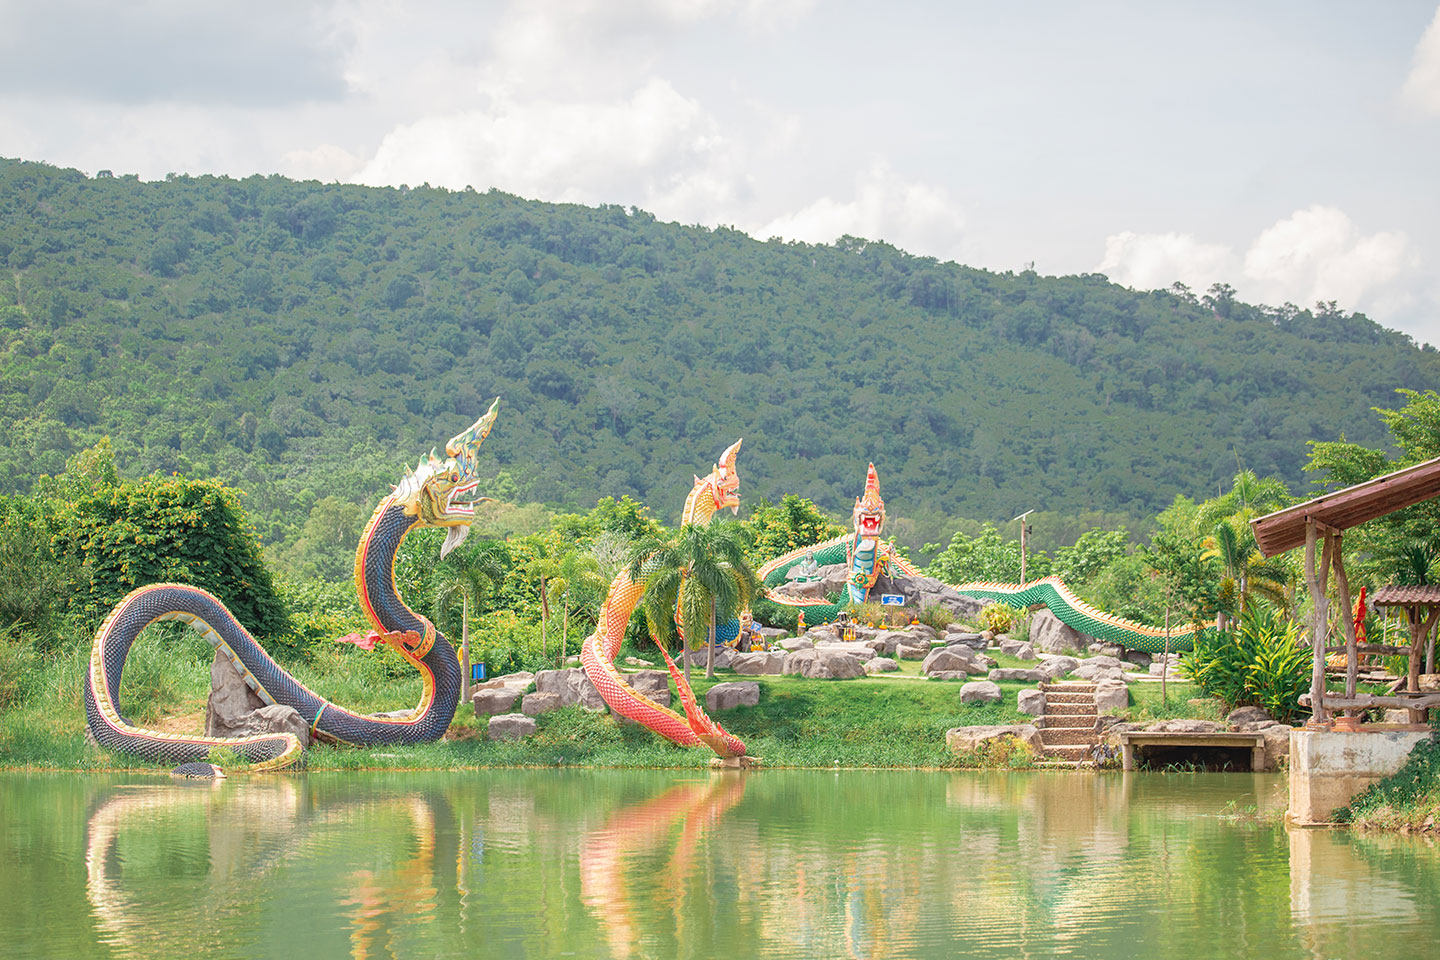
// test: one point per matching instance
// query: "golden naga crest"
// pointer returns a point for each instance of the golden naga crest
(869, 515)
(722, 481)
(432, 492)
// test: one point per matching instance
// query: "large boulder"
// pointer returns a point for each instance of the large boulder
(535, 704)
(735, 693)
(518, 681)
(510, 726)
(1015, 675)
(573, 687)
(654, 684)
(881, 665)
(887, 642)
(947, 660)
(1031, 702)
(1047, 633)
(980, 691)
(1111, 695)
(969, 739)
(770, 634)
(1248, 715)
(758, 664)
(235, 710)
(912, 651)
(1054, 666)
(797, 643)
(928, 592)
(860, 650)
(493, 701)
(1019, 649)
(1100, 668)
(967, 637)
(923, 630)
(823, 664)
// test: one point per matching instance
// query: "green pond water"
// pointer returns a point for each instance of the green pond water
(548, 863)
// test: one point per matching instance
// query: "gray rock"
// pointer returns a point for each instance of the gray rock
(857, 649)
(1186, 726)
(1112, 731)
(735, 693)
(945, 659)
(1248, 715)
(573, 687)
(951, 675)
(906, 651)
(1031, 702)
(885, 644)
(1099, 668)
(980, 691)
(1138, 657)
(535, 704)
(1111, 695)
(822, 664)
(758, 664)
(1055, 666)
(637, 662)
(797, 643)
(510, 726)
(1018, 649)
(494, 701)
(233, 709)
(1102, 649)
(1015, 675)
(923, 630)
(881, 665)
(654, 684)
(969, 739)
(771, 634)
(966, 637)
(1047, 633)
(519, 682)
(980, 660)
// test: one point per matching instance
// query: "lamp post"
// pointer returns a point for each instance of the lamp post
(1024, 529)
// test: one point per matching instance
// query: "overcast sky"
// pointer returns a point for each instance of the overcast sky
(1289, 149)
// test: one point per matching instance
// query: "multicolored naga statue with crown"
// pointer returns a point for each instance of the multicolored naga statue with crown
(437, 493)
(864, 553)
(717, 490)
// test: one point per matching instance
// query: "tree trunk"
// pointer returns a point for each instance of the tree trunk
(564, 627)
(710, 645)
(1165, 666)
(544, 619)
(465, 644)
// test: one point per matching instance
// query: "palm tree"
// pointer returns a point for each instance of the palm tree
(1247, 574)
(466, 574)
(543, 569)
(697, 577)
(576, 579)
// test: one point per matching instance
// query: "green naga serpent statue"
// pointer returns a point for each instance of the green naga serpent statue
(438, 493)
(868, 557)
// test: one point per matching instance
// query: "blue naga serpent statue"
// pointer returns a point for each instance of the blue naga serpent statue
(430, 496)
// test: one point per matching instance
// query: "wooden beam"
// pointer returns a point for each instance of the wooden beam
(1363, 701)
(1383, 649)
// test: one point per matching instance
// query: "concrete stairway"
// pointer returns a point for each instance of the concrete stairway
(1067, 727)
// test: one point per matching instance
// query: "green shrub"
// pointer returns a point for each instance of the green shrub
(934, 615)
(1261, 663)
(505, 643)
(997, 618)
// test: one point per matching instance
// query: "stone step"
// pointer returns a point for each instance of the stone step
(1069, 686)
(1054, 721)
(1088, 707)
(1052, 735)
(1072, 752)
(1070, 696)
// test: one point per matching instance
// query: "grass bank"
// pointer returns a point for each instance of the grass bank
(892, 721)
(1407, 801)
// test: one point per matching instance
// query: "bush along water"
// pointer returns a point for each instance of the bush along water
(1262, 662)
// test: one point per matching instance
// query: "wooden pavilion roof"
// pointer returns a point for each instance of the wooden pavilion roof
(1342, 509)
(1406, 596)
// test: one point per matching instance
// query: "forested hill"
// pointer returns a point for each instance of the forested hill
(301, 339)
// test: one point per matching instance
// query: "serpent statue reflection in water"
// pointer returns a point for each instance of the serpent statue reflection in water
(438, 493)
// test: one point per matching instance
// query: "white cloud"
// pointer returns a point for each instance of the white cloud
(916, 216)
(1422, 85)
(1149, 261)
(1315, 254)
(1319, 254)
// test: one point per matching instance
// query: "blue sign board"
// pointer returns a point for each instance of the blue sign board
(892, 599)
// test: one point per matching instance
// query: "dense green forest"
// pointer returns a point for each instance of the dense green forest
(300, 340)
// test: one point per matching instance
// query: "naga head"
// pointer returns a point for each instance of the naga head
(869, 515)
(723, 483)
(437, 491)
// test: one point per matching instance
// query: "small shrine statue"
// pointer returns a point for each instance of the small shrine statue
(806, 570)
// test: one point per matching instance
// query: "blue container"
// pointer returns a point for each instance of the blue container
(477, 672)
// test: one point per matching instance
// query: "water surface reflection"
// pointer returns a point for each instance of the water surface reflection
(624, 864)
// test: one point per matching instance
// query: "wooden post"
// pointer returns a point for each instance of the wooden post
(1417, 638)
(465, 644)
(1023, 525)
(1165, 665)
(1342, 584)
(1317, 625)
